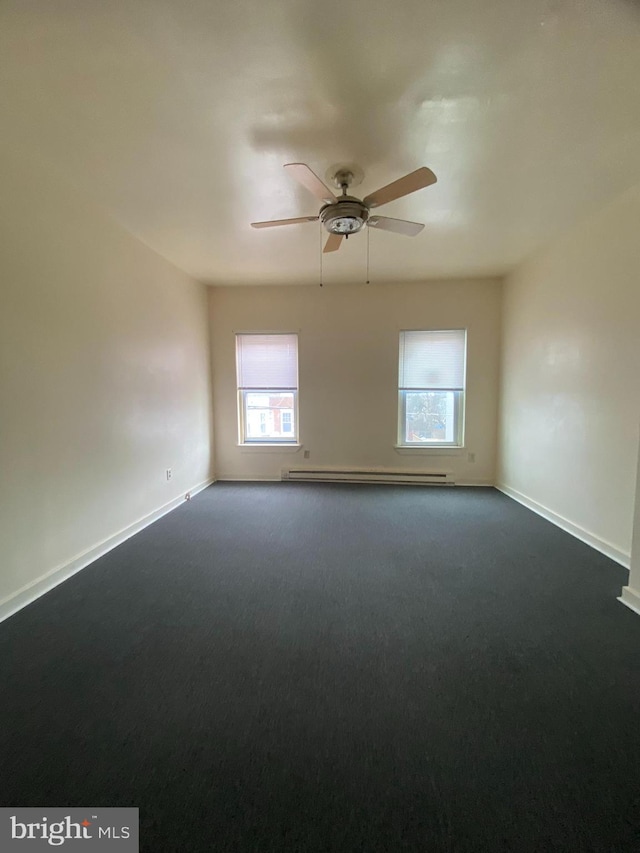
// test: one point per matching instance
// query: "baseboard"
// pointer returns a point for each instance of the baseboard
(631, 598)
(31, 591)
(585, 536)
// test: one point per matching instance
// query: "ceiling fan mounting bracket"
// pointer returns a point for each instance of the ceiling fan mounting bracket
(344, 173)
(344, 180)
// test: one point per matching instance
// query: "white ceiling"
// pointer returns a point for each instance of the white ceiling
(177, 115)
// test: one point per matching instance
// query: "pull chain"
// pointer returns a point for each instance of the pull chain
(320, 255)
(368, 231)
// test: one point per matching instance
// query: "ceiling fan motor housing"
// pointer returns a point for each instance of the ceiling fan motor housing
(346, 216)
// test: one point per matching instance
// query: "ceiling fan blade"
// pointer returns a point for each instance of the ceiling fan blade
(333, 243)
(310, 181)
(398, 226)
(417, 180)
(274, 222)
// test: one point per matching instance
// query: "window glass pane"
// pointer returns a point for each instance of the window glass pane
(269, 415)
(430, 416)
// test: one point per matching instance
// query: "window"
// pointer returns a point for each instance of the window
(267, 371)
(431, 388)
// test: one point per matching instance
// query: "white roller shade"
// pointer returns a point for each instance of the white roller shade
(267, 361)
(434, 360)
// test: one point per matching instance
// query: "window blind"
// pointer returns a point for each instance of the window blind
(433, 360)
(267, 361)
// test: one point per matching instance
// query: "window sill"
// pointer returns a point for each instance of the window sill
(255, 447)
(429, 450)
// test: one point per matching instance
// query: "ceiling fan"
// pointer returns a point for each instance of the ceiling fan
(346, 214)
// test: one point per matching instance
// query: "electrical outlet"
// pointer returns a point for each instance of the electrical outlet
(471, 457)
(169, 474)
(307, 454)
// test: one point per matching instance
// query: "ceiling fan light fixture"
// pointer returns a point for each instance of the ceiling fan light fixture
(345, 225)
(344, 217)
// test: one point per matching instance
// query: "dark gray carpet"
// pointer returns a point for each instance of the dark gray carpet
(284, 667)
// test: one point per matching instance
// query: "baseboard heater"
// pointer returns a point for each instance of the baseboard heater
(369, 475)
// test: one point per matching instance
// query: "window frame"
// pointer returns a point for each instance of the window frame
(459, 409)
(292, 438)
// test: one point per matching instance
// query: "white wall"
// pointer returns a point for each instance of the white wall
(348, 366)
(571, 389)
(104, 377)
